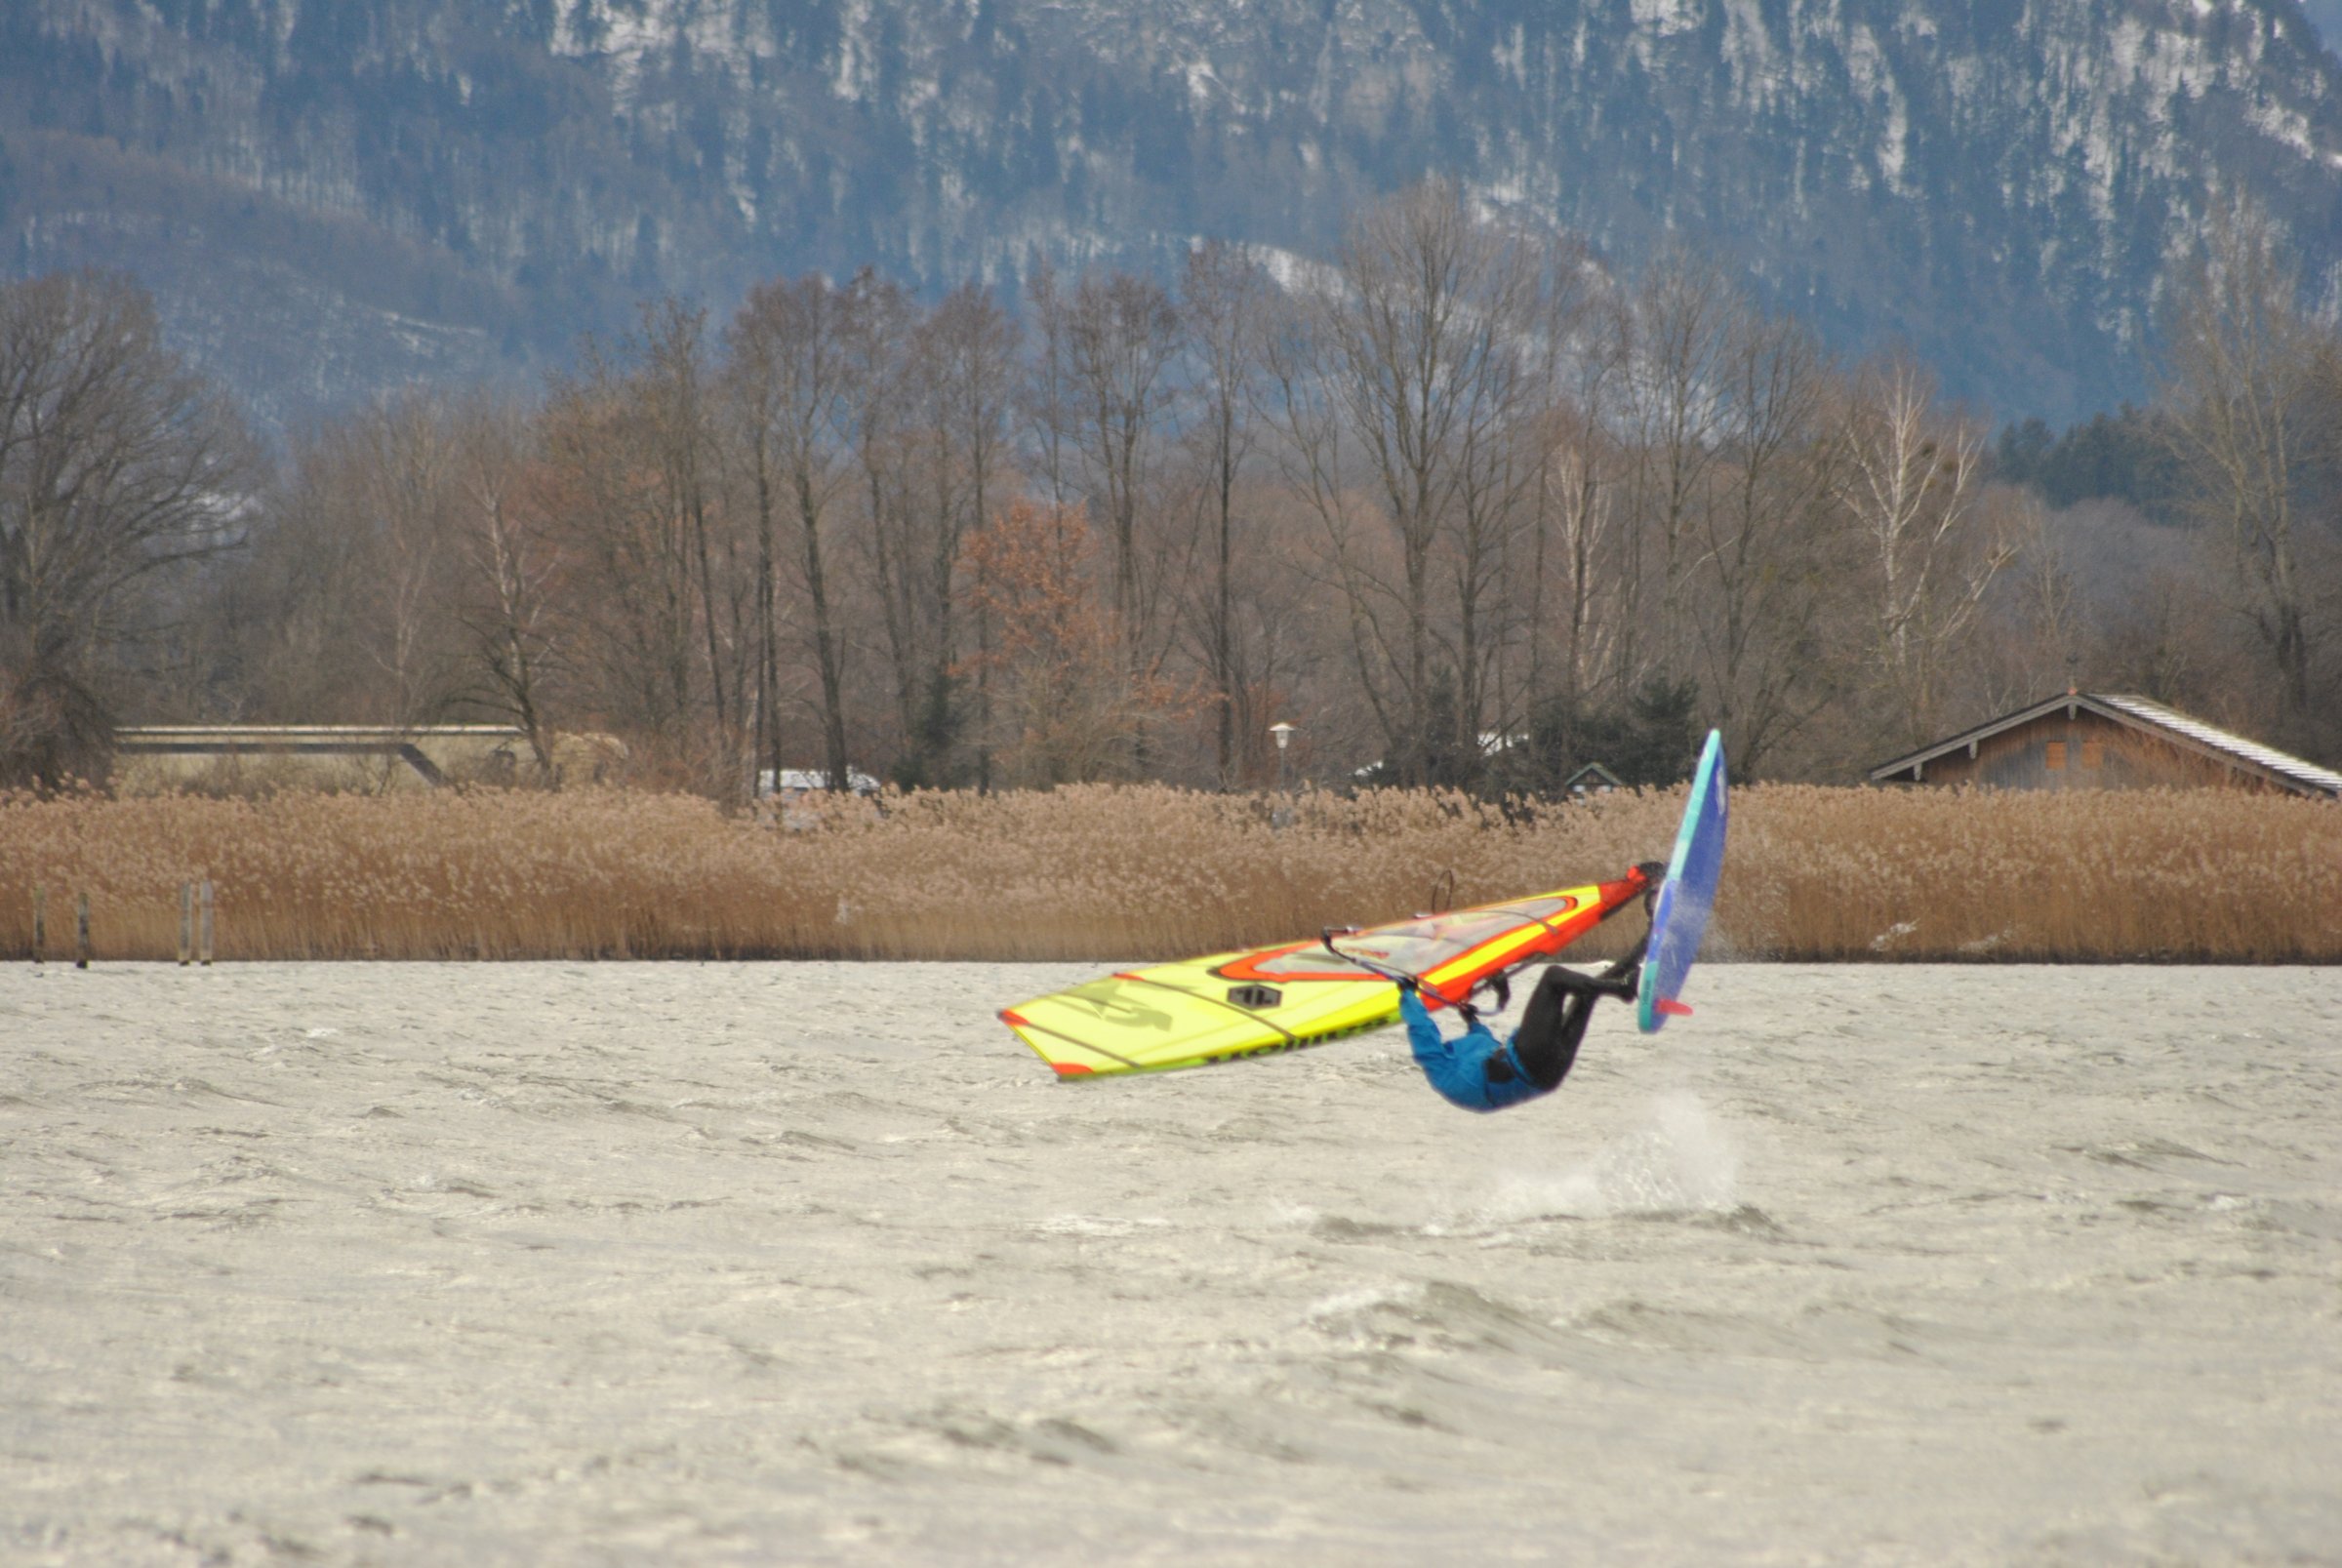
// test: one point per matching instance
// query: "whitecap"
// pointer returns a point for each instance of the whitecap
(1679, 1161)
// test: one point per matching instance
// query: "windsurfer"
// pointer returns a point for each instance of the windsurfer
(1477, 1072)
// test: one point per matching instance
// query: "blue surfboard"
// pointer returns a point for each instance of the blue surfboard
(1680, 919)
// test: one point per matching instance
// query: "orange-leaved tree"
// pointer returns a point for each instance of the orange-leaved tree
(1067, 709)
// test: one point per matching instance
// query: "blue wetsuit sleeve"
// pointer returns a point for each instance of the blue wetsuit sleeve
(1430, 1048)
(1454, 1066)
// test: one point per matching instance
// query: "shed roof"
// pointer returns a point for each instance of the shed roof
(273, 736)
(2280, 768)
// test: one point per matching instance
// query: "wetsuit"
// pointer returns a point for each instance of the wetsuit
(1474, 1071)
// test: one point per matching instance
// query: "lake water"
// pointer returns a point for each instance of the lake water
(814, 1262)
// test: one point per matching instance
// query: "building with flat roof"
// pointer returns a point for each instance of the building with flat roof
(155, 758)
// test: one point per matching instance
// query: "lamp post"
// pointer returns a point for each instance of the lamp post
(1283, 813)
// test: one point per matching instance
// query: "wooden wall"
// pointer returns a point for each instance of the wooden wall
(2087, 751)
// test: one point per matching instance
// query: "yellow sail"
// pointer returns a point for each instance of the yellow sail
(1229, 1006)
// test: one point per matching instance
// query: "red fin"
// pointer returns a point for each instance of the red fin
(1070, 1070)
(1675, 1009)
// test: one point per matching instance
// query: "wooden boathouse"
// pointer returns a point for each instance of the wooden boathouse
(2089, 741)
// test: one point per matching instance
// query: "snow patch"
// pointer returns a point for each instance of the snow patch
(1668, 17)
(855, 69)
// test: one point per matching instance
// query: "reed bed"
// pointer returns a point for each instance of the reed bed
(1122, 873)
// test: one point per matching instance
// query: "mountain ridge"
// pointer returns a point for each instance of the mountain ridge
(329, 196)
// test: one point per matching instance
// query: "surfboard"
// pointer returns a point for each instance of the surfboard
(1686, 899)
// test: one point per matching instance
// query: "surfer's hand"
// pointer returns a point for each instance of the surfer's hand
(1406, 982)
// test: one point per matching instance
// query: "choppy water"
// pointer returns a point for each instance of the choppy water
(704, 1263)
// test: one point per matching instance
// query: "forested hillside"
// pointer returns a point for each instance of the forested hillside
(1464, 507)
(329, 197)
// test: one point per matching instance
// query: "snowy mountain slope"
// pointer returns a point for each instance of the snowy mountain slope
(332, 194)
(2325, 16)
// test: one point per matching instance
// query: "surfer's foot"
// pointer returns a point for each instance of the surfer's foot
(1609, 982)
(1621, 979)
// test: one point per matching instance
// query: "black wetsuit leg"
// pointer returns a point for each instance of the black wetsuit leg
(1552, 1026)
(1553, 1023)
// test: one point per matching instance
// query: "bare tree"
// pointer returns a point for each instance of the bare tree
(296, 613)
(1677, 335)
(2252, 414)
(115, 464)
(2035, 627)
(512, 606)
(930, 396)
(634, 566)
(748, 396)
(393, 469)
(671, 395)
(878, 334)
(788, 355)
(1316, 465)
(1768, 536)
(1410, 353)
(1225, 298)
(1908, 478)
(1574, 549)
(1048, 402)
(967, 350)
(1568, 496)
(1124, 333)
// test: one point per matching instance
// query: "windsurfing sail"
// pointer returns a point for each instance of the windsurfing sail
(1229, 1006)
(1686, 899)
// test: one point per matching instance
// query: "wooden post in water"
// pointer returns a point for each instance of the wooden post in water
(81, 932)
(40, 921)
(186, 923)
(203, 942)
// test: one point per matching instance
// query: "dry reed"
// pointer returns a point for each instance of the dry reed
(1117, 874)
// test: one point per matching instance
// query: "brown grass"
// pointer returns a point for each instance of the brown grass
(1113, 874)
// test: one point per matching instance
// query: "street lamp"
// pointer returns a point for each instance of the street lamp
(1284, 738)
